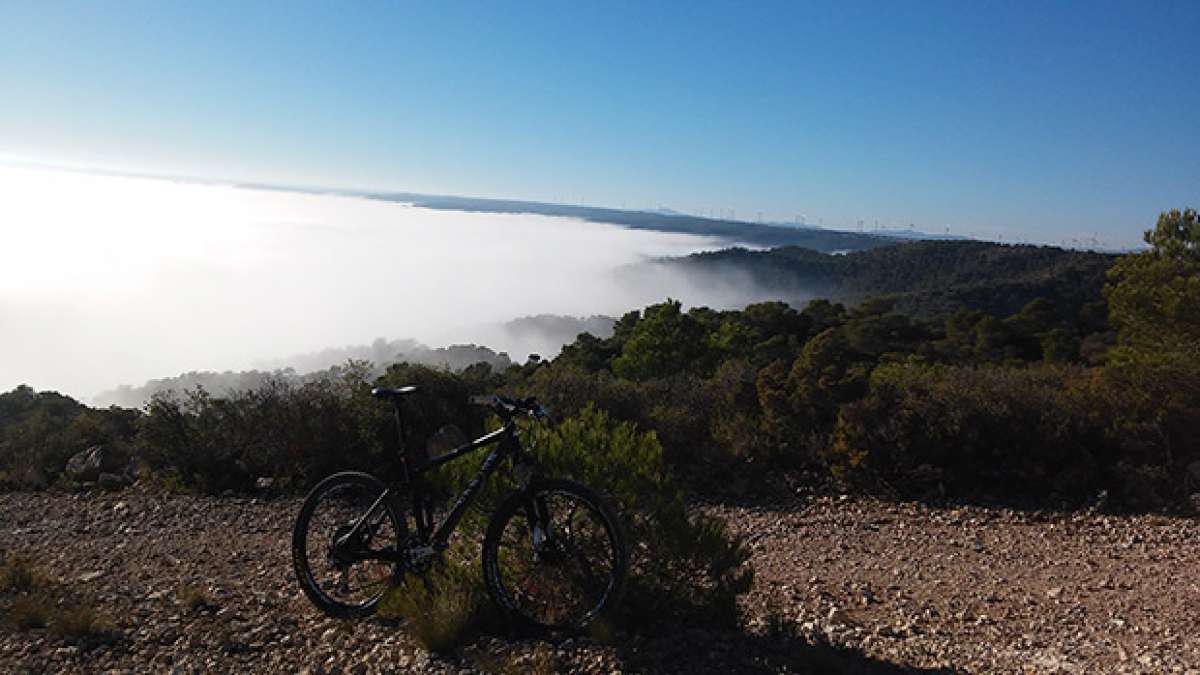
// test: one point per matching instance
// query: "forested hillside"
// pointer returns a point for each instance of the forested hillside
(925, 277)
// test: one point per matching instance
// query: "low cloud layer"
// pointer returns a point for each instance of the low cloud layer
(107, 280)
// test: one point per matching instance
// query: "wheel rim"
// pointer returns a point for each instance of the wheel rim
(337, 572)
(561, 575)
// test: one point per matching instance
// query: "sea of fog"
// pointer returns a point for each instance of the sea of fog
(107, 280)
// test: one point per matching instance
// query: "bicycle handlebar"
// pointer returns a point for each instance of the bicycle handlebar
(507, 407)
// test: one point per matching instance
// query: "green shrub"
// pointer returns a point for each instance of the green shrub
(683, 567)
(1153, 399)
(567, 389)
(1153, 295)
(1014, 433)
(41, 431)
(665, 341)
(295, 433)
(443, 398)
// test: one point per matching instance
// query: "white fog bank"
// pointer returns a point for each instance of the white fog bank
(107, 280)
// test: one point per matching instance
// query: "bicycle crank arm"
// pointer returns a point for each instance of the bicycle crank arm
(387, 555)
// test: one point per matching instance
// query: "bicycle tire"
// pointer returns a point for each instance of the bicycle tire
(502, 586)
(308, 542)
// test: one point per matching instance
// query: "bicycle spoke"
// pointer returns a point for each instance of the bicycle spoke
(571, 519)
(568, 575)
(589, 579)
(346, 565)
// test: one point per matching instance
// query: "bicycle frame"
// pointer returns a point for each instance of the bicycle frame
(506, 442)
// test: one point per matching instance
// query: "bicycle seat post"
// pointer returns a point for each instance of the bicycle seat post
(400, 430)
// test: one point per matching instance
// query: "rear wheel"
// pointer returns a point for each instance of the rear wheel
(554, 556)
(342, 569)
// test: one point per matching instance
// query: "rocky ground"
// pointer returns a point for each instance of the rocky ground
(983, 590)
(191, 584)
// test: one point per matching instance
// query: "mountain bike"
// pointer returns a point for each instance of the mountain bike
(554, 553)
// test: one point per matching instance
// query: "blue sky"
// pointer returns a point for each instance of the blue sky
(1044, 121)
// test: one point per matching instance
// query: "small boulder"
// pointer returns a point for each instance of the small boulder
(264, 484)
(86, 466)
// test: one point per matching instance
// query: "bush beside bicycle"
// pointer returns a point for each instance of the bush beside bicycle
(683, 568)
(447, 604)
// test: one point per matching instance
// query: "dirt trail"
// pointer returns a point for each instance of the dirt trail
(901, 586)
(987, 590)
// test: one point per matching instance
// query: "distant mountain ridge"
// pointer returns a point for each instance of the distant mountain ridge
(300, 367)
(730, 231)
(550, 331)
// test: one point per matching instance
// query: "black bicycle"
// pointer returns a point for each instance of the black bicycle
(554, 554)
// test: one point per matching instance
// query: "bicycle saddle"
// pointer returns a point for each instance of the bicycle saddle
(383, 392)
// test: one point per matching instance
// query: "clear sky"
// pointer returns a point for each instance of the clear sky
(1040, 120)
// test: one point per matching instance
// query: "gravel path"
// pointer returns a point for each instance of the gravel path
(984, 590)
(901, 587)
(138, 557)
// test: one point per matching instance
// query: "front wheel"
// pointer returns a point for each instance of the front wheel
(346, 543)
(554, 556)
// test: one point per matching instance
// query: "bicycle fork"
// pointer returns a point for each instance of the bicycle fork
(540, 527)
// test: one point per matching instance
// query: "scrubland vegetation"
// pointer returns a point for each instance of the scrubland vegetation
(1076, 398)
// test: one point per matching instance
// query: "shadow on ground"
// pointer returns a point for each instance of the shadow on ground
(781, 497)
(702, 651)
(690, 651)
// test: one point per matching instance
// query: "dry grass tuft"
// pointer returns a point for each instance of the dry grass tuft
(440, 608)
(20, 574)
(30, 611)
(82, 623)
(543, 661)
(195, 598)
